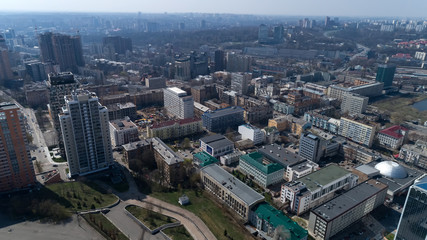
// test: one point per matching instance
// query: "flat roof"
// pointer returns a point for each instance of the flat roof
(134, 145)
(278, 154)
(224, 111)
(348, 200)
(216, 141)
(277, 218)
(169, 156)
(234, 185)
(205, 159)
(8, 106)
(255, 159)
(178, 91)
(323, 176)
(123, 124)
(201, 107)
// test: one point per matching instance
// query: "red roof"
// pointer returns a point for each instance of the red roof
(172, 122)
(394, 131)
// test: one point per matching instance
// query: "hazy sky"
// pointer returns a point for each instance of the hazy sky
(398, 8)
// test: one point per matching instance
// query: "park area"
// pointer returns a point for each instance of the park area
(149, 218)
(178, 233)
(219, 220)
(104, 226)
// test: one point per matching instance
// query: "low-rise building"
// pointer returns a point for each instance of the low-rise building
(299, 170)
(168, 163)
(222, 119)
(123, 131)
(199, 109)
(231, 191)
(392, 137)
(280, 123)
(230, 158)
(252, 133)
(278, 154)
(174, 129)
(333, 216)
(415, 153)
(216, 145)
(134, 150)
(267, 219)
(261, 170)
(316, 188)
(271, 134)
(359, 154)
(202, 159)
(120, 111)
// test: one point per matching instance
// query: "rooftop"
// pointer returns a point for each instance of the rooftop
(394, 131)
(302, 166)
(278, 154)
(323, 177)
(172, 122)
(255, 159)
(204, 159)
(277, 218)
(421, 182)
(224, 112)
(123, 124)
(348, 200)
(216, 141)
(168, 155)
(135, 145)
(7, 106)
(235, 186)
(177, 91)
(201, 107)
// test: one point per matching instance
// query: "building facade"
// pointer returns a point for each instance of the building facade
(392, 137)
(168, 163)
(174, 129)
(177, 103)
(17, 171)
(86, 134)
(252, 133)
(262, 171)
(240, 82)
(354, 103)
(333, 216)
(123, 131)
(222, 119)
(415, 154)
(216, 145)
(356, 131)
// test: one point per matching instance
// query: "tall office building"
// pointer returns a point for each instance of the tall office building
(278, 34)
(354, 103)
(238, 63)
(240, 82)
(413, 220)
(36, 70)
(59, 85)
(5, 69)
(219, 60)
(86, 133)
(62, 49)
(177, 103)
(385, 74)
(17, 170)
(263, 33)
(117, 44)
(309, 147)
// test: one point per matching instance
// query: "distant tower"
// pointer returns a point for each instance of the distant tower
(86, 133)
(385, 74)
(327, 21)
(413, 220)
(17, 170)
(263, 33)
(219, 60)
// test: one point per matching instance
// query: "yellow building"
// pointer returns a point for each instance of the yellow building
(175, 128)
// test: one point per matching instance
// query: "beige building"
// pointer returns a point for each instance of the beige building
(231, 191)
(168, 163)
(175, 128)
(281, 123)
(123, 131)
(357, 131)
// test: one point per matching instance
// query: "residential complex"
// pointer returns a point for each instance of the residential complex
(252, 133)
(333, 216)
(17, 170)
(357, 132)
(174, 129)
(354, 103)
(240, 82)
(177, 103)
(412, 223)
(234, 193)
(222, 119)
(216, 145)
(86, 133)
(316, 188)
(392, 137)
(261, 170)
(123, 131)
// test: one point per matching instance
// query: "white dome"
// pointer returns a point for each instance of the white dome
(391, 169)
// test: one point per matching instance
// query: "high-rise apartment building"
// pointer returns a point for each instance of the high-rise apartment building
(5, 69)
(62, 49)
(219, 60)
(385, 74)
(412, 223)
(177, 103)
(238, 63)
(117, 44)
(36, 70)
(17, 170)
(356, 131)
(354, 103)
(86, 133)
(59, 86)
(240, 82)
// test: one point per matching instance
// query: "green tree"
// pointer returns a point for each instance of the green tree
(186, 143)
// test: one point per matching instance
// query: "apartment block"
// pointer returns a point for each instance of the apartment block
(168, 163)
(354, 103)
(357, 132)
(123, 131)
(177, 103)
(222, 119)
(174, 129)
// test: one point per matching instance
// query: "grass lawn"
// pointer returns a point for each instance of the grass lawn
(150, 219)
(390, 236)
(104, 226)
(59, 160)
(210, 212)
(178, 233)
(400, 107)
(82, 195)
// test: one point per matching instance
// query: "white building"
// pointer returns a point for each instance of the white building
(86, 133)
(262, 171)
(177, 103)
(216, 145)
(252, 133)
(392, 137)
(356, 131)
(299, 170)
(240, 82)
(354, 103)
(123, 131)
(230, 158)
(316, 188)
(415, 154)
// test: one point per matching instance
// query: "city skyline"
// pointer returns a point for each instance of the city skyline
(380, 8)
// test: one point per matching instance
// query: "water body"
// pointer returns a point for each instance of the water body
(421, 105)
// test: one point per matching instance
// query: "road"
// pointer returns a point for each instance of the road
(364, 52)
(34, 230)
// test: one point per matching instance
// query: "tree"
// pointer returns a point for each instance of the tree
(186, 143)
(29, 138)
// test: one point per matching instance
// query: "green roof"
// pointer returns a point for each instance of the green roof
(255, 159)
(277, 218)
(205, 159)
(323, 176)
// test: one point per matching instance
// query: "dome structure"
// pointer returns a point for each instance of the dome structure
(391, 169)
